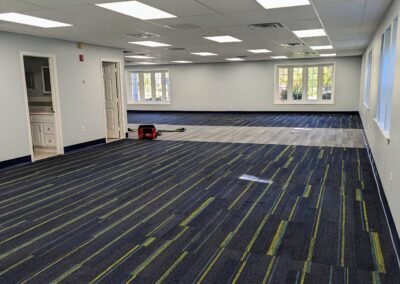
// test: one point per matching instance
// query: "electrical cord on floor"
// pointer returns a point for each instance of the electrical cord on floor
(159, 132)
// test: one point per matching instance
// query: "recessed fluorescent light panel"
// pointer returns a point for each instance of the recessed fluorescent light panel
(234, 59)
(137, 10)
(259, 50)
(322, 47)
(145, 63)
(310, 33)
(279, 57)
(273, 4)
(31, 21)
(182, 62)
(204, 53)
(328, 55)
(150, 43)
(223, 39)
(140, 56)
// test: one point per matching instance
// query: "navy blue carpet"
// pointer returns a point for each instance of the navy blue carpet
(184, 212)
(327, 120)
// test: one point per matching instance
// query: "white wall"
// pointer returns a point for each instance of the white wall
(81, 104)
(386, 154)
(248, 86)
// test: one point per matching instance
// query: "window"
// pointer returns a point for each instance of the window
(305, 84)
(386, 76)
(154, 85)
(367, 83)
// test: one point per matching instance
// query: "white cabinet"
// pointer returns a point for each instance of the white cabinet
(37, 134)
(43, 131)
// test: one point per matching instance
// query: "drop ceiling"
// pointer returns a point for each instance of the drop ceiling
(349, 24)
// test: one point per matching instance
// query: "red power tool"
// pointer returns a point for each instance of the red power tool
(150, 132)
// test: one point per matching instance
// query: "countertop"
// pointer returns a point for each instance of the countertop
(41, 113)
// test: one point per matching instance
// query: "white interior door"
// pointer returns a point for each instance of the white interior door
(111, 94)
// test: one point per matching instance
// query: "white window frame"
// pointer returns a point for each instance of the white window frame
(385, 91)
(304, 100)
(153, 91)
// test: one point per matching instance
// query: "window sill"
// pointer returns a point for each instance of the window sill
(384, 133)
(304, 103)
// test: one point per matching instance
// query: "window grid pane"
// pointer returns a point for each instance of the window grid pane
(392, 62)
(158, 86)
(312, 90)
(166, 84)
(283, 82)
(135, 87)
(148, 94)
(386, 76)
(367, 84)
(297, 83)
(327, 72)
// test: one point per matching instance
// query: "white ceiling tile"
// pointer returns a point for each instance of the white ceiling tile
(226, 6)
(251, 17)
(349, 24)
(328, 9)
(7, 6)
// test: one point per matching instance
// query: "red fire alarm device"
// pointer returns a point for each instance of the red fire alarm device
(81, 58)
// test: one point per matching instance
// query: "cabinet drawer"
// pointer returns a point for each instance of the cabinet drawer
(50, 140)
(42, 118)
(49, 128)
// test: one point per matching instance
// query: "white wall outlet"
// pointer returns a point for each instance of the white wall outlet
(391, 177)
(83, 128)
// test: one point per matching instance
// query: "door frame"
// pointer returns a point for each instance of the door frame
(54, 96)
(121, 95)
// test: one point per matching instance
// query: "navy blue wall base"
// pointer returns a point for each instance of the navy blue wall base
(245, 112)
(16, 161)
(84, 145)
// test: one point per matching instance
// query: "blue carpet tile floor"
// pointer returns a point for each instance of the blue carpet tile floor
(248, 119)
(178, 212)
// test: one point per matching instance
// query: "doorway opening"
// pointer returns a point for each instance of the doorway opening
(42, 106)
(112, 101)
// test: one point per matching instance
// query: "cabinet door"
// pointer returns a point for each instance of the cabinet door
(37, 134)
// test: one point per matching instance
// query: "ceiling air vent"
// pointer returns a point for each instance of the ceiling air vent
(292, 44)
(176, 48)
(182, 27)
(142, 35)
(307, 53)
(266, 26)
